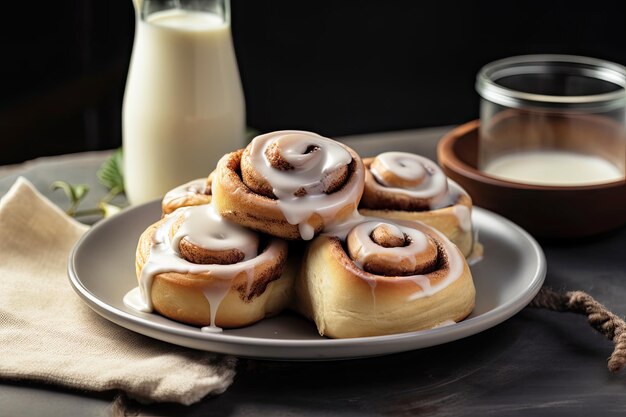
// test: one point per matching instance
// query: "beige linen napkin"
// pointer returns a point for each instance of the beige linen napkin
(47, 334)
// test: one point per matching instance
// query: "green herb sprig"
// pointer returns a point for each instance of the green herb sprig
(111, 175)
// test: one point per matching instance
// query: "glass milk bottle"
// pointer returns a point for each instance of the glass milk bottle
(183, 105)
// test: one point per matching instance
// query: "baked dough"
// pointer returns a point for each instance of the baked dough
(212, 295)
(345, 301)
(193, 193)
(320, 182)
(433, 199)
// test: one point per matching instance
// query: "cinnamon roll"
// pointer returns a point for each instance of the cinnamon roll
(193, 193)
(384, 278)
(291, 184)
(195, 267)
(405, 186)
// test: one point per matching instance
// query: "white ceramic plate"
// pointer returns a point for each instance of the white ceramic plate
(101, 270)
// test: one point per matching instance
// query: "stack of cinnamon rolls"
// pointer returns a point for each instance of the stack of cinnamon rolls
(295, 220)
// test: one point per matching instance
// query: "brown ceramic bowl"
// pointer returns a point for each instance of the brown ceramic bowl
(545, 211)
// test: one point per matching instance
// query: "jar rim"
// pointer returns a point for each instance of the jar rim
(488, 87)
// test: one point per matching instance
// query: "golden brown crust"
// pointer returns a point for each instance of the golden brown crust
(346, 301)
(251, 178)
(388, 176)
(381, 198)
(237, 202)
(250, 297)
(384, 203)
(190, 194)
(446, 220)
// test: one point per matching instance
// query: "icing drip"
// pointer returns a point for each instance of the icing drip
(203, 226)
(341, 229)
(463, 214)
(134, 300)
(214, 296)
(410, 174)
(310, 169)
(478, 251)
(306, 231)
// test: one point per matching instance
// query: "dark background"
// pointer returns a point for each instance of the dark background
(336, 67)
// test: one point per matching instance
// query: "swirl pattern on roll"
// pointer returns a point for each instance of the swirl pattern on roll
(386, 277)
(199, 248)
(192, 193)
(309, 180)
(405, 186)
(404, 181)
(367, 273)
(391, 250)
(404, 251)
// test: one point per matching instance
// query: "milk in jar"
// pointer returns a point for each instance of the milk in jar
(183, 105)
(557, 168)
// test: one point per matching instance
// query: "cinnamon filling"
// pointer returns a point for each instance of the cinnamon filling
(405, 182)
(390, 250)
(386, 238)
(193, 193)
(252, 179)
(198, 255)
(386, 176)
(277, 159)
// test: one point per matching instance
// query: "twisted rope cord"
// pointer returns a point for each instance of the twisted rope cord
(598, 316)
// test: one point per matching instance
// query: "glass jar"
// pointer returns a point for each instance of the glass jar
(553, 120)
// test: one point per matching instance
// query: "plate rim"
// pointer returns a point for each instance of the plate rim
(428, 337)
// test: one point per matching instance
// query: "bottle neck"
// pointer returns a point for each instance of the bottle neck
(145, 8)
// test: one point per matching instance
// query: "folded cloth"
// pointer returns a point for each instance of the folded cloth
(47, 334)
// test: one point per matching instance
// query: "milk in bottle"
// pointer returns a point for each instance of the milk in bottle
(183, 105)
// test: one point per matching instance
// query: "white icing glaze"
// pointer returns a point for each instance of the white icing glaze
(211, 329)
(464, 216)
(456, 262)
(310, 170)
(165, 257)
(205, 228)
(478, 251)
(435, 187)
(462, 213)
(341, 229)
(134, 300)
(306, 231)
(197, 186)
(433, 184)
(214, 295)
(424, 283)
(454, 256)
(367, 248)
